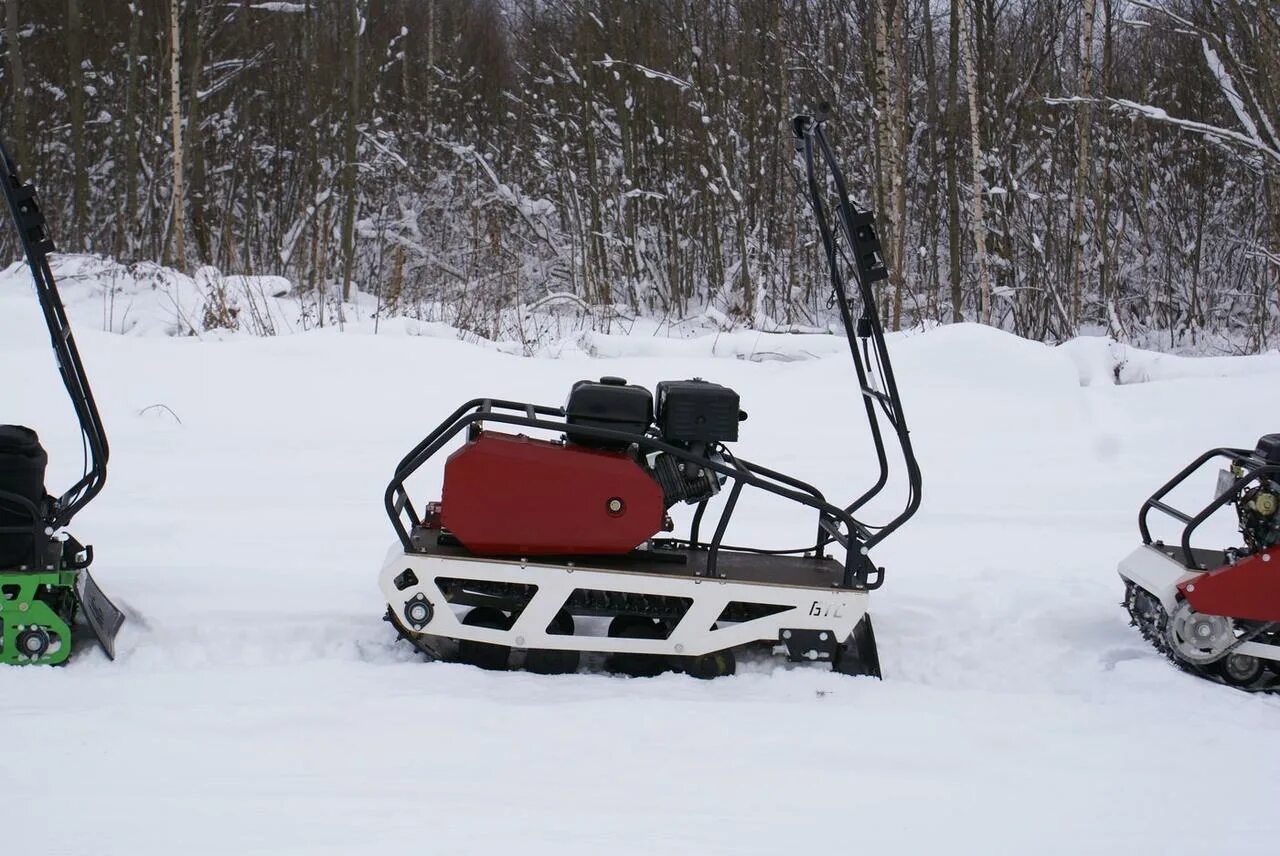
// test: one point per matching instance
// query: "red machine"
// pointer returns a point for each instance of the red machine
(545, 545)
(1216, 613)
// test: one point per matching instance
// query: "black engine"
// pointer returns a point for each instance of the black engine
(1257, 506)
(22, 465)
(694, 415)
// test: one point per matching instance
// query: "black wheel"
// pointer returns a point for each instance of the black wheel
(717, 664)
(486, 655)
(33, 642)
(545, 661)
(1239, 670)
(637, 627)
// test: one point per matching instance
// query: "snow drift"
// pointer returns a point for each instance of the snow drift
(147, 299)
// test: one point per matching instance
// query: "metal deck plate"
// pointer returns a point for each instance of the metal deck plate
(731, 565)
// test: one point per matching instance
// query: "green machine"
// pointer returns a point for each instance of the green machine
(45, 584)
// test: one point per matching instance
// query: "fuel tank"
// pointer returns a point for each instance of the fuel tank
(511, 495)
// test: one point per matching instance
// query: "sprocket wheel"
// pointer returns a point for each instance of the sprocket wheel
(1148, 615)
(1197, 637)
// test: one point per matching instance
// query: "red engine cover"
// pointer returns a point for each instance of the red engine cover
(1249, 589)
(507, 495)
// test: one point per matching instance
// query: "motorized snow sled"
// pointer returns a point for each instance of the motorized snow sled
(552, 537)
(44, 572)
(1215, 613)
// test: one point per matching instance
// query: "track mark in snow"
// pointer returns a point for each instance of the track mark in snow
(1113, 658)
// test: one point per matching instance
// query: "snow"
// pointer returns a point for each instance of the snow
(651, 74)
(1160, 115)
(274, 6)
(147, 299)
(259, 704)
(1104, 361)
(1228, 87)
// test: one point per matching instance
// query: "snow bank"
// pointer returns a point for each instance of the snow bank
(147, 300)
(1102, 361)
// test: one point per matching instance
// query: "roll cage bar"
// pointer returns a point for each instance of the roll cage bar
(36, 244)
(835, 524)
(1252, 469)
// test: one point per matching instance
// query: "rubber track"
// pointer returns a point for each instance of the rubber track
(1147, 614)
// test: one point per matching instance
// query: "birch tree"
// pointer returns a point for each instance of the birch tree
(75, 100)
(349, 147)
(952, 156)
(18, 76)
(975, 147)
(129, 134)
(178, 201)
(1084, 119)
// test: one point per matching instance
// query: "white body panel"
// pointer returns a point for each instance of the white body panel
(1157, 573)
(833, 610)
(1259, 650)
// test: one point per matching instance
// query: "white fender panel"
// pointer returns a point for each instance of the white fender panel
(1152, 570)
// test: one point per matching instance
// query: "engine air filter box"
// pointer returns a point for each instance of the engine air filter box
(697, 411)
(608, 403)
(1268, 448)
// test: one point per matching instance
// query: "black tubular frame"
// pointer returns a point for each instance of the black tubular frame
(36, 244)
(835, 524)
(1251, 469)
(859, 573)
(858, 229)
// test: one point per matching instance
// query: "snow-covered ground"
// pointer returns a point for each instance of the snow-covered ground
(260, 705)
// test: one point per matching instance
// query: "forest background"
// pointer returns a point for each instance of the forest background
(1051, 167)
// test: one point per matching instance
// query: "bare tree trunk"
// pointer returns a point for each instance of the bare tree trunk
(902, 68)
(405, 57)
(75, 102)
(1102, 199)
(1269, 34)
(195, 139)
(175, 122)
(1084, 119)
(1271, 266)
(880, 95)
(953, 166)
(886, 140)
(349, 149)
(931, 281)
(431, 61)
(19, 77)
(975, 145)
(124, 238)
